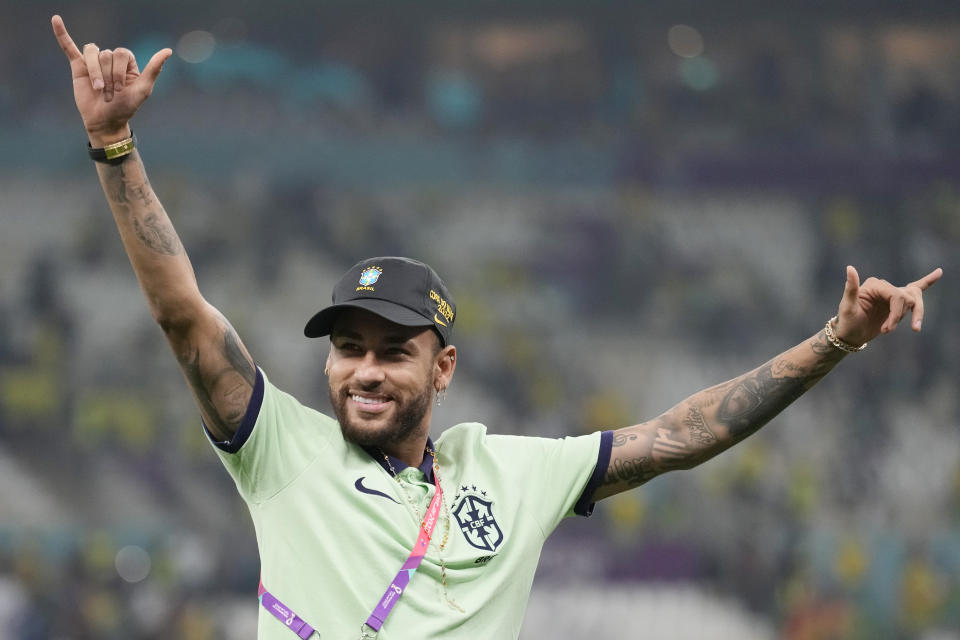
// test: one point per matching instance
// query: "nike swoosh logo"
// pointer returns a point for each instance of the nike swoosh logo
(373, 492)
(438, 320)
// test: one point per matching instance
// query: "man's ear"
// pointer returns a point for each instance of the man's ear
(326, 366)
(444, 365)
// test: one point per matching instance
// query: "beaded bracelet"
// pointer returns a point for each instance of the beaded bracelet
(837, 342)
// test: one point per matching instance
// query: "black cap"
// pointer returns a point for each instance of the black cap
(401, 290)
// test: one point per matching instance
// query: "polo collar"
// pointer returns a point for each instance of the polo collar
(426, 466)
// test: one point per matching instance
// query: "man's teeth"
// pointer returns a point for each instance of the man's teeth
(363, 400)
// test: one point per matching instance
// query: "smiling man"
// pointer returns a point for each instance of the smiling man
(365, 525)
(339, 504)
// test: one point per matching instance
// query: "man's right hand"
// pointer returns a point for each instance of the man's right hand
(108, 87)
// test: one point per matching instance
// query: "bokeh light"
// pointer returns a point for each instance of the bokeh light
(196, 46)
(700, 74)
(685, 41)
(133, 563)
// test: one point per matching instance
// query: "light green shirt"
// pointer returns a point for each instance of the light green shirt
(333, 526)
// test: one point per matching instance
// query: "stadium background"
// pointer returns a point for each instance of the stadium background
(630, 201)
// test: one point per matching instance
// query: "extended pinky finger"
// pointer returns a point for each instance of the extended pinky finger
(929, 279)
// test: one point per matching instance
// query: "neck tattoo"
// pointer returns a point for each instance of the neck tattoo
(446, 518)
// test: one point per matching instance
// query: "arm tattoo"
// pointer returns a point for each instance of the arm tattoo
(821, 346)
(633, 471)
(142, 192)
(222, 382)
(133, 196)
(700, 433)
(156, 234)
(620, 439)
(757, 397)
(191, 369)
(668, 453)
(233, 350)
(116, 189)
(688, 434)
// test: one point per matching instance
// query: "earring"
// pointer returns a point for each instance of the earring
(441, 395)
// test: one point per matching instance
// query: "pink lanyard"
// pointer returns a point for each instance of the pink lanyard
(390, 597)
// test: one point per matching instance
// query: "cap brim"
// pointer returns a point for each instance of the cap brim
(321, 324)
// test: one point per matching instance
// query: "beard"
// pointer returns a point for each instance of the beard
(408, 419)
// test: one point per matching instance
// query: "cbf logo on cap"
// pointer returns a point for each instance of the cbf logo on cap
(402, 290)
(370, 275)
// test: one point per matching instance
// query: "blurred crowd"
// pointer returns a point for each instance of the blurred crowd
(626, 211)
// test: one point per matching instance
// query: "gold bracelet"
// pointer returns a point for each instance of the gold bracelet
(118, 149)
(837, 342)
(114, 153)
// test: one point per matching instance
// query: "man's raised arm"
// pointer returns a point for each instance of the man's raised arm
(715, 419)
(109, 88)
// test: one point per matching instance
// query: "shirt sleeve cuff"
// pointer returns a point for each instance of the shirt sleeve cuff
(584, 506)
(249, 419)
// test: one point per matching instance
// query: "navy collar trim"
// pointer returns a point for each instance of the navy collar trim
(425, 467)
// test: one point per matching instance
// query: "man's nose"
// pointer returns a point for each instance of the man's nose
(369, 370)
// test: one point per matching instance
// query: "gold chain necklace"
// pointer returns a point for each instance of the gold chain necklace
(446, 519)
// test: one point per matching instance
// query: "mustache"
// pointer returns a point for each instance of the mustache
(345, 390)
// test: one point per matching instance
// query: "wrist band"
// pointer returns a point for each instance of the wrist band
(114, 153)
(837, 342)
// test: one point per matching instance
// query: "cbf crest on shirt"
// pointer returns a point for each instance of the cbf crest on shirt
(473, 512)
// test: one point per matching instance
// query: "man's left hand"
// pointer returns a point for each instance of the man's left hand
(876, 306)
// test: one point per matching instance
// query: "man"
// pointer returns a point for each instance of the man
(339, 504)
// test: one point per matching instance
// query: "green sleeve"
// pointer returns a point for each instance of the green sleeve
(276, 442)
(556, 476)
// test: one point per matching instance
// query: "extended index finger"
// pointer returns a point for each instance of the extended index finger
(929, 279)
(66, 42)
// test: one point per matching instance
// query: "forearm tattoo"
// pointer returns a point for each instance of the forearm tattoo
(156, 234)
(760, 395)
(710, 421)
(669, 450)
(755, 400)
(129, 191)
(696, 424)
